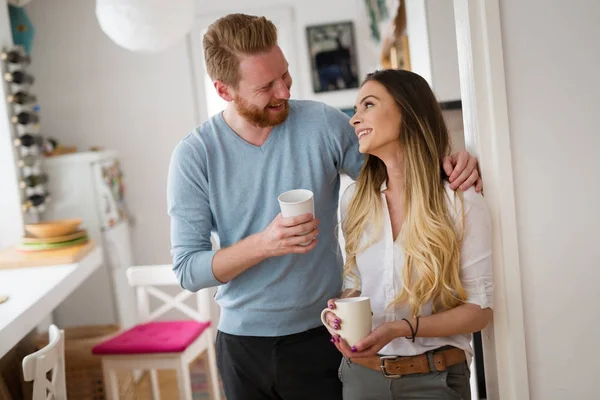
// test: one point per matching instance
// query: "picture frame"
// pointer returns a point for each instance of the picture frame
(333, 57)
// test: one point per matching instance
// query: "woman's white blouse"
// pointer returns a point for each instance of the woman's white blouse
(380, 271)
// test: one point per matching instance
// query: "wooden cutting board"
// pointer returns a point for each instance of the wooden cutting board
(11, 258)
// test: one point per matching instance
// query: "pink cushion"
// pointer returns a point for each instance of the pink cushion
(153, 337)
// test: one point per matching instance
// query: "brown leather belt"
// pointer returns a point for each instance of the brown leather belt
(396, 366)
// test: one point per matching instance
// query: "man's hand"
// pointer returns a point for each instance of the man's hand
(463, 171)
(289, 235)
(282, 236)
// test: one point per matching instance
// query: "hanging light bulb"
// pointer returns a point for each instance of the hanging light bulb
(145, 25)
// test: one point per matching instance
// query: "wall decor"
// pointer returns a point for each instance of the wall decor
(28, 142)
(378, 12)
(395, 54)
(395, 50)
(333, 56)
(21, 26)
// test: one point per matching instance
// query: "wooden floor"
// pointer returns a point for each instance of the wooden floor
(167, 382)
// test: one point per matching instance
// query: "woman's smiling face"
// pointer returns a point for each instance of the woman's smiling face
(376, 120)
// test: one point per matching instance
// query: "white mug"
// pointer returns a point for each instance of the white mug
(355, 315)
(297, 202)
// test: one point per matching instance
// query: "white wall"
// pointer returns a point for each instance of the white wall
(92, 92)
(432, 45)
(444, 55)
(417, 31)
(551, 57)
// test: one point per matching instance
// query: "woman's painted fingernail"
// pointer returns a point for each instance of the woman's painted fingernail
(337, 321)
(332, 340)
(331, 306)
(338, 339)
(353, 349)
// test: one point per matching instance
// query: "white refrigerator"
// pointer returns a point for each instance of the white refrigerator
(89, 185)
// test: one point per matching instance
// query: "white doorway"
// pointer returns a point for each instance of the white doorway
(483, 96)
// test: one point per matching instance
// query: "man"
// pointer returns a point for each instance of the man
(225, 176)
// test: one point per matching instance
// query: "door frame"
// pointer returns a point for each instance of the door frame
(485, 114)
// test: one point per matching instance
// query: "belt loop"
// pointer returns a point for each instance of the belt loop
(430, 361)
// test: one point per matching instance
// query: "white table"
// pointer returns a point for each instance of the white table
(34, 292)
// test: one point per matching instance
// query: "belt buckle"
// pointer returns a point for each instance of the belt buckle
(382, 360)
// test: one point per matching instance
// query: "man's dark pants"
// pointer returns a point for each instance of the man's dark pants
(302, 366)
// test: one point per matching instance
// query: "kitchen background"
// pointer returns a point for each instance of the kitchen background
(93, 93)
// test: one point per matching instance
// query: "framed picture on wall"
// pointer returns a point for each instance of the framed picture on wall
(333, 56)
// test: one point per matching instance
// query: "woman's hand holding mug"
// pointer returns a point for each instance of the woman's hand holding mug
(349, 323)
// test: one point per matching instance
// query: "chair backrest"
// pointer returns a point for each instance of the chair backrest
(50, 358)
(147, 279)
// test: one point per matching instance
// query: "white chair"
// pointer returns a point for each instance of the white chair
(50, 358)
(153, 345)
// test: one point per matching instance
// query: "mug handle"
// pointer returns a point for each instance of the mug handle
(324, 321)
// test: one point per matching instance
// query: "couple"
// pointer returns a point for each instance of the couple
(419, 249)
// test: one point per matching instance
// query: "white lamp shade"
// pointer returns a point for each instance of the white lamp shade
(145, 25)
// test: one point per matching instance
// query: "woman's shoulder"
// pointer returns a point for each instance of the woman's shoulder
(471, 200)
(347, 197)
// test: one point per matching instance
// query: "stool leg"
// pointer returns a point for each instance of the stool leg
(154, 389)
(111, 383)
(183, 381)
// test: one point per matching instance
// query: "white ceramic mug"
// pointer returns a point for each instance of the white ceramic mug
(355, 316)
(297, 202)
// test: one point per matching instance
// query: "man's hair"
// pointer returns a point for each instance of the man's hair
(231, 36)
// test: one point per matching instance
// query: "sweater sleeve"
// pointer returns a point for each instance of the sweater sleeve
(344, 142)
(191, 219)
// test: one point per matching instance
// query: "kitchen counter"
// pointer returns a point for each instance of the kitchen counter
(34, 292)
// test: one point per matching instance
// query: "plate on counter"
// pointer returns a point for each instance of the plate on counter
(50, 229)
(65, 238)
(51, 246)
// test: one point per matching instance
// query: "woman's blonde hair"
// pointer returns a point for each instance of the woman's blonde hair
(429, 236)
(231, 36)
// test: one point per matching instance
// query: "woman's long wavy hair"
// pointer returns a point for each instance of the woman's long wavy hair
(430, 239)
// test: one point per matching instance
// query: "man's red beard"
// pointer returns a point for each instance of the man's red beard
(261, 117)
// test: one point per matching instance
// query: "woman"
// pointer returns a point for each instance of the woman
(419, 250)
